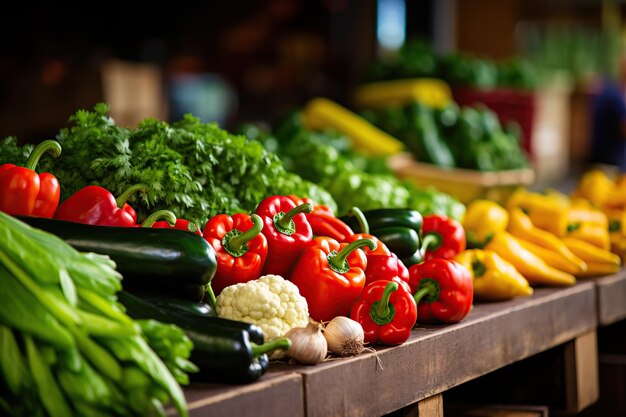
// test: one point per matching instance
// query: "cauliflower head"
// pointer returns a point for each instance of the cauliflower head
(271, 302)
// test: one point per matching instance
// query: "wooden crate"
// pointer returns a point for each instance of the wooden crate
(464, 184)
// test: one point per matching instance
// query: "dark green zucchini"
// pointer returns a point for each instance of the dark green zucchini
(144, 256)
(201, 313)
(184, 293)
(223, 354)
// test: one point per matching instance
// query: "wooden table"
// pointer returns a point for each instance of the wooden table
(434, 359)
(611, 293)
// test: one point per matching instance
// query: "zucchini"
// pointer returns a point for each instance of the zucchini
(203, 314)
(183, 293)
(144, 256)
(222, 353)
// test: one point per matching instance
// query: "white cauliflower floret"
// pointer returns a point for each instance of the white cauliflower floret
(271, 302)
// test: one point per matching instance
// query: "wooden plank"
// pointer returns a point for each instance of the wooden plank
(429, 407)
(581, 372)
(611, 298)
(437, 358)
(277, 393)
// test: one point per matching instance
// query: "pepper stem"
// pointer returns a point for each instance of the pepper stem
(166, 215)
(284, 221)
(51, 146)
(432, 241)
(337, 260)
(478, 268)
(123, 198)
(428, 288)
(258, 350)
(383, 308)
(364, 227)
(234, 242)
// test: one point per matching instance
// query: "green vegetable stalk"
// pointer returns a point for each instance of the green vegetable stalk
(66, 348)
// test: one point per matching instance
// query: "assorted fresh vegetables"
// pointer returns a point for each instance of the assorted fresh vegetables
(194, 169)
(292, 278)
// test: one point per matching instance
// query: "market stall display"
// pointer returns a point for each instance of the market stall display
(263, 280)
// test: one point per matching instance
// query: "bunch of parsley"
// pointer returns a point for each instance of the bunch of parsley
(193, 168)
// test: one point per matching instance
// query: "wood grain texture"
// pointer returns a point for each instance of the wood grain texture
(436, 358)
(581, 372)
(611, 292)
(276, 394)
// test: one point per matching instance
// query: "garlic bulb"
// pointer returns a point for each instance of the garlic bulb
(344, 336)
(308, 345)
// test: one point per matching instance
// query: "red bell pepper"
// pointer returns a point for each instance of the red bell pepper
(287, 232)
(386, 311)
(323, 221)
(443, 290)
(444, 237)
(96, 206)
(240, 246)
(23, 192)
(123, 198)
(386, 268)
(330, 275)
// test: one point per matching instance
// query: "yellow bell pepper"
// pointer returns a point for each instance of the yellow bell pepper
(554, 259)
(592, 233)
(483, 218)
(321, 113)
(596, 187)
(617, 221)
(549, 215)
(557, 197)
(617, 198)
(536, 271)
(590, 253)
(522, 227)
(494, 278)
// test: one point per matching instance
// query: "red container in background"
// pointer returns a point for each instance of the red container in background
(508, 104)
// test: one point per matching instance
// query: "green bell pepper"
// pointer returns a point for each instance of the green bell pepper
(399, 229)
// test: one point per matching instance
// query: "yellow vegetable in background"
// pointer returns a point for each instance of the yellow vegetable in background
(321, 113)
(554, 259)
(590, 253)
(595, 186)
(494, 278)
(536, 271)
(522, 227)
(431, 92)
(597, 235)
(599, 269)
(484, 218)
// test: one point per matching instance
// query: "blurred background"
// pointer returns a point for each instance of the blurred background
(254, 60)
